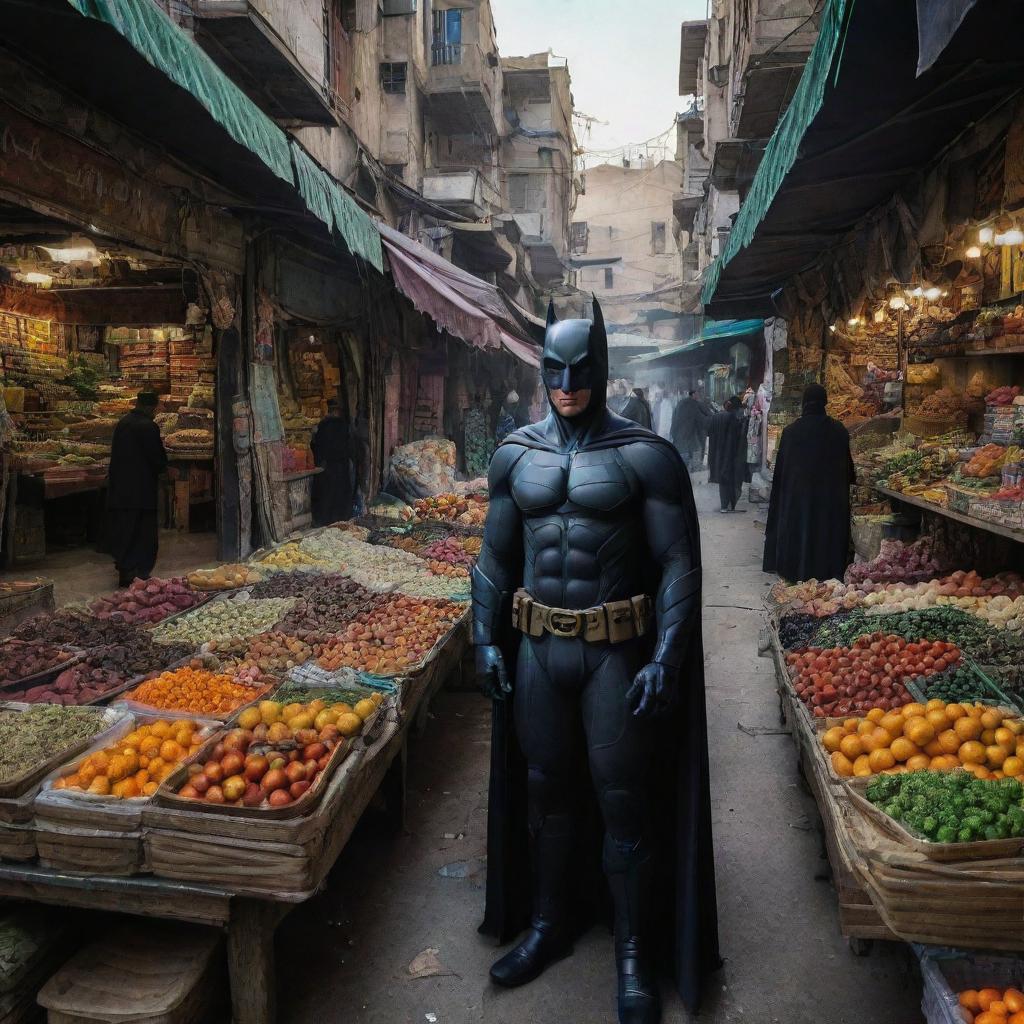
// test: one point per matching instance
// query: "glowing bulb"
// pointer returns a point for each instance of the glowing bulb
(853, 321)
(73, 254)
(34, 277)
(1000, 239)
(933, 293)
(897, 302)
(879, 314)
(985, 236)
(1014, 237)
(832, 328)
(973, 252)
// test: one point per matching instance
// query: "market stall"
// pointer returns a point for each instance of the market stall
(199, 749)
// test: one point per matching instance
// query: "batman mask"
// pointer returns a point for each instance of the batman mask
(575, 356)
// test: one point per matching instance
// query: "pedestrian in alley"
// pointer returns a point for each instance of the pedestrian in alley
(637, 409)
(807, 535)
(507, 417)
(333, 489)
(727, 454)
(137, 461)
(689, 429)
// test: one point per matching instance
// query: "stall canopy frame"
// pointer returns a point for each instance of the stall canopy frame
(713, 332)
(862, 123)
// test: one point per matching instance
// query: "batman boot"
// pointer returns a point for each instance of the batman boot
(548, 939)
(629, 878)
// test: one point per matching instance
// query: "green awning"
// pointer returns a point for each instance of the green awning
(164, 45)
(328, 201)
(782, 149)
(730, 328)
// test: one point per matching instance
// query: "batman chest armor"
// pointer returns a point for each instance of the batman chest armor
(598, 482)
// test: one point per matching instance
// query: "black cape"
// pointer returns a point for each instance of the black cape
(332, 489)
(808, 531)
(727, 449)
(137, 458)
(683, 831)
(638, 410)
(689, 425)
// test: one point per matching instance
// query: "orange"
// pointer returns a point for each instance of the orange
(851, 746)
(949, 741)
(850, 725)
(1016, 1018)
(880, 759)
(1006, 739)
(972, 752)
(862, 766)
(935, 703)
(150, 746)
(149, 788)
(987, 1017)
(995, 755)
(842, 764)
(1013, 766)
(943, 763)
(998, 1006)
(902, 749)
(967, 729)
(100, 785)
(1014, 999)
(892, 723)
(832, 738)
(171, 751)
(913, 710)
(934, 748)
(992, 718)
(987, 996)
(919, 731)
(875, 715)
(877, 739)
(975, 711)
(955, 711)
(969, 1000)
(979, 771)
(160, 729)
(938, 719)
(988, 737)
(918, 763)
(864, 729)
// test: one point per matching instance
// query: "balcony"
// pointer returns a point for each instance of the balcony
(461, 192)
(461, 89)
(249, 49)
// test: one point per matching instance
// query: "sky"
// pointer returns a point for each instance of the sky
(623, 58)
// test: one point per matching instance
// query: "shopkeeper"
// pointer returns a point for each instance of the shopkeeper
(332, 451)
(137, 460)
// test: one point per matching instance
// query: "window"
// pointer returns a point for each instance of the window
(446, 47)
(395, 7)
(526, 193)
(579, 236)
(339, 22)
(657, 237)
(609, 279)
(392, 77)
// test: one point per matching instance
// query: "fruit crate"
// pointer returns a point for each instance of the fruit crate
(989, 691)
(946, 972)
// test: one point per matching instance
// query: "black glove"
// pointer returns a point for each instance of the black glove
(653, 690)
(491, 675)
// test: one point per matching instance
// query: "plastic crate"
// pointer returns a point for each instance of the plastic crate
(946, 972)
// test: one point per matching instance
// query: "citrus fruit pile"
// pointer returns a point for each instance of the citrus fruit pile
(992, 1006)
(936, 736)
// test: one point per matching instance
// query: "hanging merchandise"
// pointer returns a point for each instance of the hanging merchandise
(263, 339)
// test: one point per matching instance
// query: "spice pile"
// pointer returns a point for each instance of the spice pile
(194, 691)
(223, 577)
(39, 734)
(223, 619)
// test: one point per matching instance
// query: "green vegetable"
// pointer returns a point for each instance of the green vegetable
(29, 738)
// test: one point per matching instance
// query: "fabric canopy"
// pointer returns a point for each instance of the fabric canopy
(712, 332)
(465, 306)
(170, 50)
(336, 208)
(862, 123)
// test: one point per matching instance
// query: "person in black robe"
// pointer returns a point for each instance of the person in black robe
(727, 455)
(807, 535)
(137, 460)
(599, 730)
(689, 430)
(638, 409)
(332, 493)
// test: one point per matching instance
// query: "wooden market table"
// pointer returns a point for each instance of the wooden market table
(250, 918)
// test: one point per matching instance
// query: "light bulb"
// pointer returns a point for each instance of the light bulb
(973, 252)
(34, 277)
(897, 302)
(933, 293)
(985, 236)
(853, 321)
(1014, 237)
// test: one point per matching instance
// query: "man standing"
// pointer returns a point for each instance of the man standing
(587, 628)
(807, 535)
(637, 409)
(727, 454)
(137, 460)
(331, 444)
(689, 429)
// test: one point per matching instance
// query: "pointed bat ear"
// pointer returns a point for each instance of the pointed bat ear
(598, 316)
(551, 313)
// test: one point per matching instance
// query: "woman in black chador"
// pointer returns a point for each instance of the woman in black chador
(587, 626)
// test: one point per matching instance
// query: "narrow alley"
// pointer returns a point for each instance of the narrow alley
(393, 938)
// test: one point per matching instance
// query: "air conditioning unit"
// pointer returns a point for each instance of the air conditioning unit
(393, 8)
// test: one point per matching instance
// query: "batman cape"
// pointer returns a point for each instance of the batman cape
(687, 931)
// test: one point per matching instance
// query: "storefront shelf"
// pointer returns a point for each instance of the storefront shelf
(930, 506)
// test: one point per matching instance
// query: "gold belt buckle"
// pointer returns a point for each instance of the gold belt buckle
(567, 624)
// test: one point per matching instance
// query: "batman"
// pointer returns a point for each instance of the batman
(587, 636)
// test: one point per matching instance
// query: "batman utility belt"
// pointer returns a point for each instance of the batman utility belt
(614, 621)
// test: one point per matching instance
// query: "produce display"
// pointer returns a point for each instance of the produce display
(223, 619)
(194, 691)
(951, 807)
(291, 556)
(985, 462)
(935, 736)
(392, 638)
(38, 734)
(838, 681)
(329, 602)
(469, 508)
(223, 577)
(250, 659)
(147, 601)
(1002, 395)
(958, 685)
(452, 549)
(64, 627)
(21, 659)
(991, 1006)
(135, 765)
(276, 755)
(896, 562)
